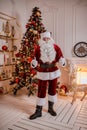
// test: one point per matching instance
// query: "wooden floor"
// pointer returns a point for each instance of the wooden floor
(15, 111)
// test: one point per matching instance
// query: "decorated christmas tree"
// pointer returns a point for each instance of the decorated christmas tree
(25, 75)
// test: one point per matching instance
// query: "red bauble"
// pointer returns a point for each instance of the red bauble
(17, 54)
(17, 80)
(29, 59)
(33, 72)
(34, 85)
(23, 59)
(21, 74)
(4, 48)
(33, 22)
(27, 25)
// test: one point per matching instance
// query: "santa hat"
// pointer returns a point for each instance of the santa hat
(45, 34)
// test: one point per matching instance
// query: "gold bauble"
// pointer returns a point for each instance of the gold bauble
(35, 31)
(38, 13)
(30, 30)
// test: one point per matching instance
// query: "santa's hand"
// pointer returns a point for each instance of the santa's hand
(62, 62)
(34, 63)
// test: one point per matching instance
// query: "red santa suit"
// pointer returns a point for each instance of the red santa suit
(47, 55)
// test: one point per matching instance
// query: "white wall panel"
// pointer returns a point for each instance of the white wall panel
(80, 24)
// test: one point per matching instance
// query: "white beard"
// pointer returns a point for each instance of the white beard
(47, 51)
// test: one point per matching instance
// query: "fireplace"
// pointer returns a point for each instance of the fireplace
(77, 77)
(81, 75)
(77, 70)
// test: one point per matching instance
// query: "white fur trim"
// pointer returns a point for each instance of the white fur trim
(52, 98)
(45, 34)
(48, 75)
(62, 61)
(41, 101)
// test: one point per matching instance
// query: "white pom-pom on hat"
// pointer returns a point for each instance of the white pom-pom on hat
(45, 34)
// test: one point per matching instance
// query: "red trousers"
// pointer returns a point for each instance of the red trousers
(42, 86)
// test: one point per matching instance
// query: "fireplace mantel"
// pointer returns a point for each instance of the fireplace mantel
(77, 62)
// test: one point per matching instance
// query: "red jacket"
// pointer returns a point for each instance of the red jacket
(51, 71)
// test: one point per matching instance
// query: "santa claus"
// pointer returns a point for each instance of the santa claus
(47, 54)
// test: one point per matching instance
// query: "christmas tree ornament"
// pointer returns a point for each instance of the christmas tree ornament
(4, 48)
(12, 31)
(7, 29)
(38, 13)
(14, 48)
(29, 59)
(35, 31)
(17, 80)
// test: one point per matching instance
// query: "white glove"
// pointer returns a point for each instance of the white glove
(34, 63)
(62, 62)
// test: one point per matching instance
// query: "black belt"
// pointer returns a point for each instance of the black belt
(47, 66)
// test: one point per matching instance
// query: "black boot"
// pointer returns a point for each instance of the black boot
(38, 113)
(50, 108)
